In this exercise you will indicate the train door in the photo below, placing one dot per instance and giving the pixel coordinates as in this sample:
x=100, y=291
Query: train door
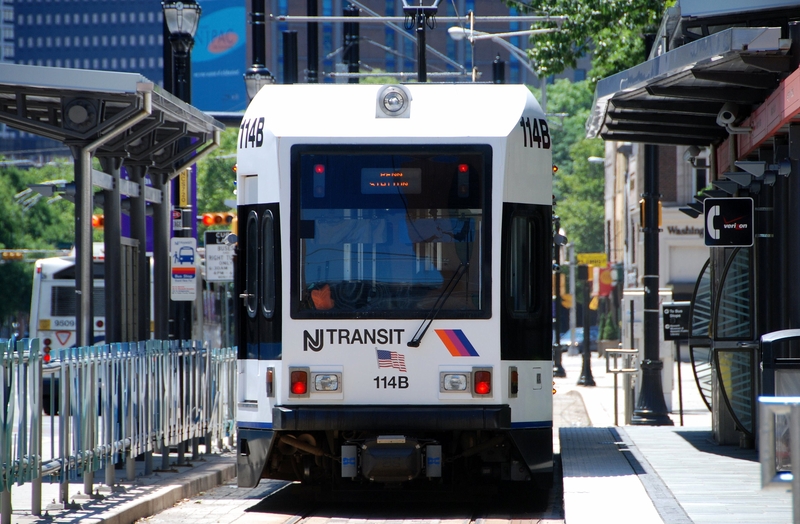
x=258, y=283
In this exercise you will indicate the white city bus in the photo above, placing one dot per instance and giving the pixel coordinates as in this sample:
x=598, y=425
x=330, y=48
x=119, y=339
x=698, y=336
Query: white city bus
x=53, y=302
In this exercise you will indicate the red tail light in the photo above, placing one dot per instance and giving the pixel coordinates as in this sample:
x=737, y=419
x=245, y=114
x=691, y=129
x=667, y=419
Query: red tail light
x=482, y=383
x=299, y=382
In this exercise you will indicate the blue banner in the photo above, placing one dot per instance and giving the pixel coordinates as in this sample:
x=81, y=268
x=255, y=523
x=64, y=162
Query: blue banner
x=219, y=56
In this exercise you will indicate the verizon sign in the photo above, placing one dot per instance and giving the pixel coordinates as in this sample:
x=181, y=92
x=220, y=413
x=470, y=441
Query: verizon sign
x=729, y=222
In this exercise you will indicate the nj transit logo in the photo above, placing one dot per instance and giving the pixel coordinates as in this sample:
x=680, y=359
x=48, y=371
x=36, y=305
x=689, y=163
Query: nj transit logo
x=457, y=342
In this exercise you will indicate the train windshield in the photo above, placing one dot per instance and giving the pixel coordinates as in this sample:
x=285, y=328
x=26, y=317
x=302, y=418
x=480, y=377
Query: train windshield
x=386, y=231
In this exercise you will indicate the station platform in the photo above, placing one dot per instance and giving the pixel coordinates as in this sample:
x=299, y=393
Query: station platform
x=653, y=474
x=627, y=474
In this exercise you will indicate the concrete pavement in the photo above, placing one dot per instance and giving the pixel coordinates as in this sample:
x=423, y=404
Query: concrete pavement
x=653, y=474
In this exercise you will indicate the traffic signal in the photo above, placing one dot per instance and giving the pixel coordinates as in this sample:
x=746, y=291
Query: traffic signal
x=218, y=219
x=13, y=256
x=642, y=210
x=98, y=221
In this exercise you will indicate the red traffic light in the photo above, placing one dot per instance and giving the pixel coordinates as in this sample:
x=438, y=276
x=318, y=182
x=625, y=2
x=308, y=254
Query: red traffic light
x=217, y=219
x=98, y=221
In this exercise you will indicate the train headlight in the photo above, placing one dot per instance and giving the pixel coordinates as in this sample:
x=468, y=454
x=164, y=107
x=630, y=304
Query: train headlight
x=393, y=101
x=481, y=382
x=326, y=382
x=454, y=381
x=298, y=382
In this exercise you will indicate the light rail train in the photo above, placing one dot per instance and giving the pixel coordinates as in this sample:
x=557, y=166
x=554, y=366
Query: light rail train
x=393, y=268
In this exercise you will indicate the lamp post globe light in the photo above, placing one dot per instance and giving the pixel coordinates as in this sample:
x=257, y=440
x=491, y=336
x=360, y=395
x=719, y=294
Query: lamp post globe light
x=182, y=19
x=257, y=75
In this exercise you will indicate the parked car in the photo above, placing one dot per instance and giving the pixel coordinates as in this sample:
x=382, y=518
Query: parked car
x=594, y=335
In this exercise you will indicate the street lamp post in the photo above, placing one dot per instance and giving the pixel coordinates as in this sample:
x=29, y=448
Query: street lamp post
x=257, y=76
x=181, y=19
x=461, y=33
x=651, y=409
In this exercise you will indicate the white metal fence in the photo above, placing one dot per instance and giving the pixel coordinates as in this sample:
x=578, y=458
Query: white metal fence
x=124, y=400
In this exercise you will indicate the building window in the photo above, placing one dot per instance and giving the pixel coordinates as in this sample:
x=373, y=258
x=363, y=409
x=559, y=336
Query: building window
x=700, y=174
x=580, y=75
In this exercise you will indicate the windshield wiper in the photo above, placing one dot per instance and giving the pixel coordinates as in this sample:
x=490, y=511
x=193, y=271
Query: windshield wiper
x=437, y=306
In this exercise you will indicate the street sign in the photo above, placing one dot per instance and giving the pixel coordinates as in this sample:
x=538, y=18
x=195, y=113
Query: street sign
x=183, y=270
x=729, y=221
x=676, y=320
x=593, y=259
x=219, y=257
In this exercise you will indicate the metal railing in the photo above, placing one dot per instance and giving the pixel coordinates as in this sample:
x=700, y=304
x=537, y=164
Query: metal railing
x=124, y=400
x=779, y=446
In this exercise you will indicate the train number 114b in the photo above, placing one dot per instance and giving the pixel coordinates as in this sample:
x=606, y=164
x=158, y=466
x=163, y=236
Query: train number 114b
x=391, y=382
x=535, y=131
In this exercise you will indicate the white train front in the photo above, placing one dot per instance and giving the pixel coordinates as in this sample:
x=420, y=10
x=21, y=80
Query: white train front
x=394, y=276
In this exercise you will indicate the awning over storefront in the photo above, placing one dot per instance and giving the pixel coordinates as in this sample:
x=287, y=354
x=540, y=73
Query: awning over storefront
x=677, y=97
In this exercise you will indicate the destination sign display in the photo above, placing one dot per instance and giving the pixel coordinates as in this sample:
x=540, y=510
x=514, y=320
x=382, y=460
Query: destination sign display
x=379, y=181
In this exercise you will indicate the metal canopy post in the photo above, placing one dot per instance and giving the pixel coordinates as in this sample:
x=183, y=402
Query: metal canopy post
x=112, y=234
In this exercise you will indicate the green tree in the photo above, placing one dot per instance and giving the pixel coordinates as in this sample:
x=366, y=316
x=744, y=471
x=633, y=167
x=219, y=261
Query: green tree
x=578, y=185
x=29, y=221
x=216, y=178
x=610, y=30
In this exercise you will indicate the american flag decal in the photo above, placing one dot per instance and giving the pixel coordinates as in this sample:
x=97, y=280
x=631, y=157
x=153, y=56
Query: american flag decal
x=391, y=359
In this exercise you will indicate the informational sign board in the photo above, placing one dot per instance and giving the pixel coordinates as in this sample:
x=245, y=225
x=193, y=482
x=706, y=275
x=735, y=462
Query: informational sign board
x=593, y=259
x=676, y=320
x=183, y=270
x=729, y=222
x=219, y=257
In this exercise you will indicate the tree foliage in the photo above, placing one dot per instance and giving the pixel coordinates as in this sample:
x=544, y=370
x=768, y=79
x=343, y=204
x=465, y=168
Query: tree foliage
x=578, y=185
x=216, y=178
x=28, y=221
x=610, y=30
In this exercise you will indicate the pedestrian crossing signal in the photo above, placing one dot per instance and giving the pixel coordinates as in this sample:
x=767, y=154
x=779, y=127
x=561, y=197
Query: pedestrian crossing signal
x=98, y=221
